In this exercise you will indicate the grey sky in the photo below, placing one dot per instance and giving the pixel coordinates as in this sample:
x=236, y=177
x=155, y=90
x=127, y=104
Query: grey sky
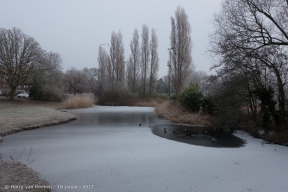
x=76, y=28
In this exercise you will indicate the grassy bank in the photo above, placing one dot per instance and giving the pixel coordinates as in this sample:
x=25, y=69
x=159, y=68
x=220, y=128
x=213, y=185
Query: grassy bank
x=19, y=115
x=14, y=173
x=29, y=117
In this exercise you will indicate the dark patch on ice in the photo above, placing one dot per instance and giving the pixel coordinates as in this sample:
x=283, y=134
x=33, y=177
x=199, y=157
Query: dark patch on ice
x=198, y=135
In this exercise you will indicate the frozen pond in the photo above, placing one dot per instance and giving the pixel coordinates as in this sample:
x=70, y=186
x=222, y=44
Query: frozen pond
x=107, y=150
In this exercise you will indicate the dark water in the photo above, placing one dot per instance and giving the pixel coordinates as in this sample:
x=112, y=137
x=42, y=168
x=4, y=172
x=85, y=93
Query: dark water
x=198, y=135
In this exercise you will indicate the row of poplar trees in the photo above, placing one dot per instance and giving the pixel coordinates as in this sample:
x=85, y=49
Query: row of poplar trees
x=138, y=73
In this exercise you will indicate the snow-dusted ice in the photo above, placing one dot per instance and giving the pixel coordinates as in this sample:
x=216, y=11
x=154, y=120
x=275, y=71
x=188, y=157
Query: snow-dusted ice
x=107, y=150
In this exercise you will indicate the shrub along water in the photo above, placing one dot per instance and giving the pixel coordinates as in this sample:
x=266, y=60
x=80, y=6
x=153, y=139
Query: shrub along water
x=193, y=100
x=82, y=100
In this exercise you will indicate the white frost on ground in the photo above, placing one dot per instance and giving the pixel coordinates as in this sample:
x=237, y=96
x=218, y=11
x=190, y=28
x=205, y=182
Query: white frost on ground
x=133, y=159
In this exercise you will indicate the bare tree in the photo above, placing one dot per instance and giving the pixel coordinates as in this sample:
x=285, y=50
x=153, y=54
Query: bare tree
x=110, y=74
x=49, y=72
x=20, y=55
x=254, y=30
x=46, y=80
x=117, y=60
x=258, y=23
x=145, y=59
x=90, y=80
x=154, y=62
x=198, y=77
x=103, y=63
x=134, y=61
x=181, y=45
x=162, y=85
x=75, y=81
x=130, y=74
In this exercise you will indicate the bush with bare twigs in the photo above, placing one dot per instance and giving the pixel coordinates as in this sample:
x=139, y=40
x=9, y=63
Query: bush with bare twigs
x=82, y=100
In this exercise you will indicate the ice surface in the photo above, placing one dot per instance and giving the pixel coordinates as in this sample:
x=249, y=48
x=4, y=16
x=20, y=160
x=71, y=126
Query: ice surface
x=107, y=148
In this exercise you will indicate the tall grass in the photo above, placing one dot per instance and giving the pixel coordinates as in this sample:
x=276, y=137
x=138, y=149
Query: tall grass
x=82, y=100
x=174, y=112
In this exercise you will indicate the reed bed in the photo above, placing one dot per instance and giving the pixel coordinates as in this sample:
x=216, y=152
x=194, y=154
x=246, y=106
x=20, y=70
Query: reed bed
x=82, y=100
x=174, y=112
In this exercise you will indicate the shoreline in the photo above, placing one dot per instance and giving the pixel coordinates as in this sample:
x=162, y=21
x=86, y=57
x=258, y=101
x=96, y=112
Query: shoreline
x=14, y=175
x=36, y=126
x=20, y=116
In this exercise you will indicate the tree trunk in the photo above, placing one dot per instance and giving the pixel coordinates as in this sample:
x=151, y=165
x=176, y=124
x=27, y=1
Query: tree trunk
x=12, y=94
x=281, y=100
x=134, y=79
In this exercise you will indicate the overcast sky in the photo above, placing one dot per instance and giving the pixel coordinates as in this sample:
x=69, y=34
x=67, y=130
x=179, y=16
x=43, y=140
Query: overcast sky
x=76, y=28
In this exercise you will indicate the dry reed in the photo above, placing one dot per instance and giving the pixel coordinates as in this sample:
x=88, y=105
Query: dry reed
x=82, y=100
x=174, y=112
x=148, y=102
